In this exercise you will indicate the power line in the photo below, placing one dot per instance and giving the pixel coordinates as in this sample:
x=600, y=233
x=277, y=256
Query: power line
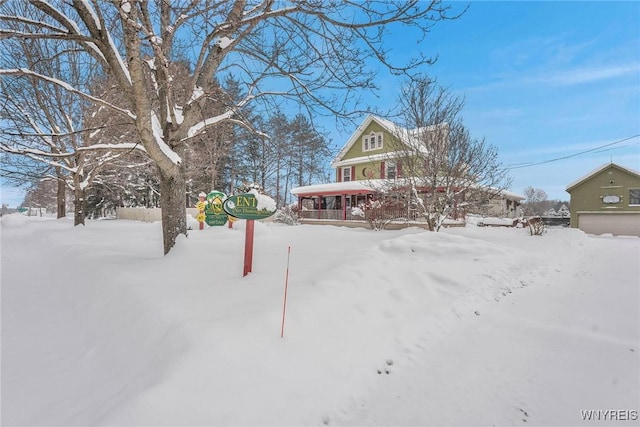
x=599, y=148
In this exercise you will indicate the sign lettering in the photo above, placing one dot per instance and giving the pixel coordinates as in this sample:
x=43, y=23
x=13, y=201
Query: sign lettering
x=245, y=206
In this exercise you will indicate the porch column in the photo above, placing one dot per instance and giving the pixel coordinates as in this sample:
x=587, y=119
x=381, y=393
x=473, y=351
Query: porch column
x=344, y=207
x=319, y=206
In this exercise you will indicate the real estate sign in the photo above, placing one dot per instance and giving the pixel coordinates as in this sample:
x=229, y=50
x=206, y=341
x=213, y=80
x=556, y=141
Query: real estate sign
x=214, y=213
x=246, y=206
x=249, y=206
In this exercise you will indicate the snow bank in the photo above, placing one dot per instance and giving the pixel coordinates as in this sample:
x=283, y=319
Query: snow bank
x=470, y=325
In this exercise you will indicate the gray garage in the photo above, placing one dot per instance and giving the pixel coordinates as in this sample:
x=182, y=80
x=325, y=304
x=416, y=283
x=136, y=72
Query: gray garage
x=619, y=224
x=607, y=200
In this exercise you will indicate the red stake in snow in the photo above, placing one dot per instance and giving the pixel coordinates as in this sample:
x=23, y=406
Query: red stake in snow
x=248, y=247
x=286, y=285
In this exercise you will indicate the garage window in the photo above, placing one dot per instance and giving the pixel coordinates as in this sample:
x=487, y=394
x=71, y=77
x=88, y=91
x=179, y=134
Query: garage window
x=634, y=196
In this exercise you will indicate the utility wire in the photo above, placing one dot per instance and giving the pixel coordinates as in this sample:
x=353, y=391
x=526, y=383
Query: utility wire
x=600, y=148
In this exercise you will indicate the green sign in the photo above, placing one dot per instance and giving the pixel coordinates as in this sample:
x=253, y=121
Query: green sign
x=214, y=214
x=246, y=206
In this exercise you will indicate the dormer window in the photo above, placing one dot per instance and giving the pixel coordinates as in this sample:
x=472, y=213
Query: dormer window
x=372, y=141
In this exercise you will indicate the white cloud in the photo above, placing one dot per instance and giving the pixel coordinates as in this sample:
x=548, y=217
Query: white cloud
x=584, y=75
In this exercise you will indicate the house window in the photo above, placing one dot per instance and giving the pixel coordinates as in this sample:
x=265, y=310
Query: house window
x=390, y=170
x=634, y=197
x=346, y=174
x=373, y=141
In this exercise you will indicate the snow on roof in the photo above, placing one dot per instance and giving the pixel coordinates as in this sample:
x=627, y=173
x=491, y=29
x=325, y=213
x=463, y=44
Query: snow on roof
x=350, y=186
x=511, y=196
x=368, y=186
x=597, y=171
x=408, y=136
x=372, y=157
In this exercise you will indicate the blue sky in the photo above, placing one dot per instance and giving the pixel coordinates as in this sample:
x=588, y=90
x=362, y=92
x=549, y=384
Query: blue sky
x=542, y=81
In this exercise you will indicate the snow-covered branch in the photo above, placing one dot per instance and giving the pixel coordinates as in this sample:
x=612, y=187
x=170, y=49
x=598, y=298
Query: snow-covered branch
x=162, y=145
x=67, y=87
x=126, y=146
x=40, y=156
x=200, y=126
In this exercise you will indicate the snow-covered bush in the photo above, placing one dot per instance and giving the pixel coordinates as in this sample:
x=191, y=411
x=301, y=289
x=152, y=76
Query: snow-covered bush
x=287, y=215
x=536, y=226
x=378, y=213
x=356, y=211
x=563, y=211
x=246, y=187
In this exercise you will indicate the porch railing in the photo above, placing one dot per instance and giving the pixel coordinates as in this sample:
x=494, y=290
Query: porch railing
x=337, y=215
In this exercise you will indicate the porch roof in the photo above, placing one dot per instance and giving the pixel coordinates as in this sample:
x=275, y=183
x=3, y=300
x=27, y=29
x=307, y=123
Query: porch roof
x=373, y=186
x=333, y=188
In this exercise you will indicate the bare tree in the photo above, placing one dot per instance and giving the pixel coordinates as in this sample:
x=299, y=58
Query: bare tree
x=47, y=123
x=313, y=53
x=444, y=169
x=536, y=201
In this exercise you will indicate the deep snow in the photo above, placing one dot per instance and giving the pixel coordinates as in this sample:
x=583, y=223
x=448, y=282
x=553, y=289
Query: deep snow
x=475, y=326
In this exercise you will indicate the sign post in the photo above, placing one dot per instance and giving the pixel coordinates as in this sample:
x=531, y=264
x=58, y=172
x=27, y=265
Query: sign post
x=248, y=247
x=201, y=206
x=249, y=206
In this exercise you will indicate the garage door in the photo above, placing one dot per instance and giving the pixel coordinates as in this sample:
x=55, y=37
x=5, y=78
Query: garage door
x=614, y=223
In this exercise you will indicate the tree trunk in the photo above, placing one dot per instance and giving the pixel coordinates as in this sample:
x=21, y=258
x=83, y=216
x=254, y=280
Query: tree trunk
x=79, y=206
x=172, y=202
x=212, y=178
x=60, y=199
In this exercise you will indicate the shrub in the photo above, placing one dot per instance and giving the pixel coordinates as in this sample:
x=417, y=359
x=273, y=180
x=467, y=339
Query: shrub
x=536, y=226
x=377, y=213
x=287, y=215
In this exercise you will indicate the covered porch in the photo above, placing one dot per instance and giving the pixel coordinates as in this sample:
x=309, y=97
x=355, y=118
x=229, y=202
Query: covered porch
x=334, y=201
x=331, y=201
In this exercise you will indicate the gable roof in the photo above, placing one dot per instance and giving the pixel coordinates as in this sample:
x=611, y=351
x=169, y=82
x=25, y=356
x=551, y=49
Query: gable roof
x=386, y=124
x=597, y=171
x=407, y=136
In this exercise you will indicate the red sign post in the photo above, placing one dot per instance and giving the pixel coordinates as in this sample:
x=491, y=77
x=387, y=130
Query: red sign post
x=248, y=206
x=248, y=247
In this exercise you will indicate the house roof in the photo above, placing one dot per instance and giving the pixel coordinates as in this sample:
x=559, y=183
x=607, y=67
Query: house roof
x=597, y=171
x=409, y=136
x=386, y=124
x=511, y=196
x=348, y=187
x=369, y=186
x=372, y=157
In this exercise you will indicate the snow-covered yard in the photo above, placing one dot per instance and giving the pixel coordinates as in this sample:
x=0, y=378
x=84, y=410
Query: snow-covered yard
x=469, y=326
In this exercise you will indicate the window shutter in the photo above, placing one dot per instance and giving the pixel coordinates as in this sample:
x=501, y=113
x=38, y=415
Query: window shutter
x=382, y=170
x=399, y=169
x=339, y=174
x=353, y=173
